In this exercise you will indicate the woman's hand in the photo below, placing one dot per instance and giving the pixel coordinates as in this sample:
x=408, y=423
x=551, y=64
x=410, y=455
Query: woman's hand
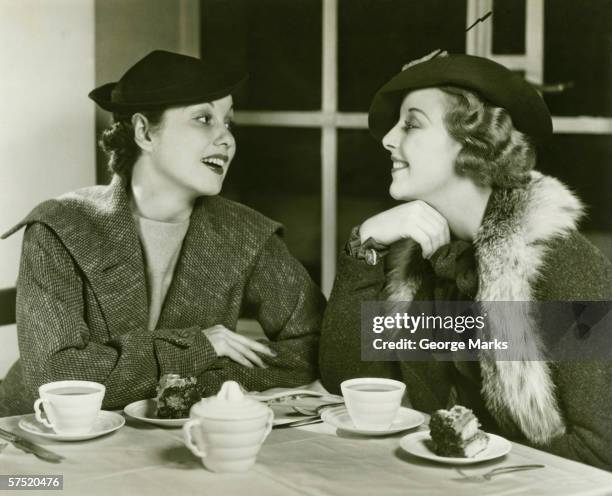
x=239, y=348
x=416, y=220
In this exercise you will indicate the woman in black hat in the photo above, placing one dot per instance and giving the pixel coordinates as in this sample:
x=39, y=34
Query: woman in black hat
x=121, y=284
x=477, y=223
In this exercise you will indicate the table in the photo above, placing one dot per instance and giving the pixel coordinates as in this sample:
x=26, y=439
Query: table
x=311, y=460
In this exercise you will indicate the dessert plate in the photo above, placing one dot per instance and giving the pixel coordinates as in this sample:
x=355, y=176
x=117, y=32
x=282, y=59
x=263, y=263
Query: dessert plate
x=405, y=419
x=106, y=423
x=145, y=410
x=417, y=444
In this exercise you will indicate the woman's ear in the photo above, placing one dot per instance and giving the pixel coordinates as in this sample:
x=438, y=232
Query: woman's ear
x=142, y=132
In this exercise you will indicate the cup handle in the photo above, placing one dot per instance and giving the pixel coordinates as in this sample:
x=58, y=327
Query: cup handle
x=189, y=438
x=38, y=412
x=269, y=424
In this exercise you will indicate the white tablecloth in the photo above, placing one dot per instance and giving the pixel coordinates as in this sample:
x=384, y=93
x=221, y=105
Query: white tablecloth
x=312, y=460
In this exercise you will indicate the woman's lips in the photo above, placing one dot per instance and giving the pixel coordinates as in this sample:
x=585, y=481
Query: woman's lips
x=215, y=163
x=399, y=165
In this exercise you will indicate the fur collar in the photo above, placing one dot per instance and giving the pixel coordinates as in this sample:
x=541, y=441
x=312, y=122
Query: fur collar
x=510, y=247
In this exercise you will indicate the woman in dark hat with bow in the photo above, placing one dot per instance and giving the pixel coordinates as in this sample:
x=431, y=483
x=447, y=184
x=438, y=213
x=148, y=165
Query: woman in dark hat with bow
x=123, y=283
x=477, y=223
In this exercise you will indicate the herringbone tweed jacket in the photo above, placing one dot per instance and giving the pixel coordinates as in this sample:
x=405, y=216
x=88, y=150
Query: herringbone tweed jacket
x=82, y=307
x=527, y=249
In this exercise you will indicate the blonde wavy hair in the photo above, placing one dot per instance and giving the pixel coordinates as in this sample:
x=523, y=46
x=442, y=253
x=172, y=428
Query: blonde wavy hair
x=493, y=153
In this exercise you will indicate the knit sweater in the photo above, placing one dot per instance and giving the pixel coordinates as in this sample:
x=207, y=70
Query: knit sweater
x=82, y=310
x=161, y=245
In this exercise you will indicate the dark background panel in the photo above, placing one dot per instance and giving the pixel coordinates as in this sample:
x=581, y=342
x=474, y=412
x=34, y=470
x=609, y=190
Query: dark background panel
x=578, y=48
x=277, y=171
x=277, y=41
x=376, y=37
x=508, y=27
x=584, y=163
x=364, y=177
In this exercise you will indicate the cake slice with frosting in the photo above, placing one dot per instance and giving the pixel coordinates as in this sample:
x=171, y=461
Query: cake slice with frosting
x=176, y=395
x=456, y=433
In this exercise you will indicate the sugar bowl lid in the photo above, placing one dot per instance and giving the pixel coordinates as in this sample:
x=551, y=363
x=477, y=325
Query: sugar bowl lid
x=230, y=403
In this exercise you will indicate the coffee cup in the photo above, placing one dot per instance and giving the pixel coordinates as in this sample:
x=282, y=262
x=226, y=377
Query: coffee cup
x=372, y=402
x=70, y=407
x=226, y=431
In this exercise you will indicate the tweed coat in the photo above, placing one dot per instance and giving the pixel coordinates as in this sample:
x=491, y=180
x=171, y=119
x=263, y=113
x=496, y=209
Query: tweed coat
x=82, y=308
x=527, y=249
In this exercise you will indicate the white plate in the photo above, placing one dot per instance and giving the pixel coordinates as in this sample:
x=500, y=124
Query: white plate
x=145, y=410
x=339, y=417
x=416, y=444
x=106, y=423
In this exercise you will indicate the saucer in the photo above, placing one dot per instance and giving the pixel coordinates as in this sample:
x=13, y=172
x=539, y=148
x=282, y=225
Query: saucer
x=405, y=419
x=416, y=444
x=145, y=410
x=105, y=423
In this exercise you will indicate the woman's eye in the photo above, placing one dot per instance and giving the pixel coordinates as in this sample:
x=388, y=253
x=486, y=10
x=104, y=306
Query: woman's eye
x=204, y=119
x=408, y=125
x=229, y=125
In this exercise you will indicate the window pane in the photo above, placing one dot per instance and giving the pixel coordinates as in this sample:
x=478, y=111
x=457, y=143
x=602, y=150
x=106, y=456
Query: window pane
x=578, y=48
x=364, y=176
x=583, y=163
x=508, y=27
x=376, y=37
x=277, y=171
x=278, y=41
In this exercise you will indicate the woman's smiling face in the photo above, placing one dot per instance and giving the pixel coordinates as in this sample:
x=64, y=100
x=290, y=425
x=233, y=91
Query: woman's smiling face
x=422, y=151
x=193, y=147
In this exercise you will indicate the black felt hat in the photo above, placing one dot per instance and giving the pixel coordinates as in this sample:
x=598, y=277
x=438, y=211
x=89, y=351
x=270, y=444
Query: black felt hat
x=163, y=79
x=492, y=81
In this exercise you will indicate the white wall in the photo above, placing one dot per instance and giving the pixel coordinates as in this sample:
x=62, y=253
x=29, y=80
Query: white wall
x=47, y=139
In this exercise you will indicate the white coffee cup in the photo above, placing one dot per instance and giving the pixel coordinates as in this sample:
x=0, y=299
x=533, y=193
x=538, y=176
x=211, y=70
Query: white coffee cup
x=70, y=407
x=372, y=402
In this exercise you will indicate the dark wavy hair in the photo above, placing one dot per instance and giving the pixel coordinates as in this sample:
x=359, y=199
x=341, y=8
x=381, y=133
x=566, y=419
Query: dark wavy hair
x=117, y=141
x=493, y=153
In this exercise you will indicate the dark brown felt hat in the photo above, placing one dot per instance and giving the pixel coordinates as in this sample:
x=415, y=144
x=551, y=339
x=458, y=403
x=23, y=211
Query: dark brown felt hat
x=492, y=81
x=164, y=79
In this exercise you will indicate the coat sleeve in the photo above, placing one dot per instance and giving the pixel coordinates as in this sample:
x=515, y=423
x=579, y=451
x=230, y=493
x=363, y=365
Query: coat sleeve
x=340, y=355
x=583, y=387
x=289, y=307
x=55, y=342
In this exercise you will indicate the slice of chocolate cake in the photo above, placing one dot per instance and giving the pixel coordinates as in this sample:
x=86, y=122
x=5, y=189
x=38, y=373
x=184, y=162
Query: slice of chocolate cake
x=455, y=433
x=176, y=395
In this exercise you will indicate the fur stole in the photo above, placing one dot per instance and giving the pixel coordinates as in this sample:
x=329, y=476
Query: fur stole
x=510, y=247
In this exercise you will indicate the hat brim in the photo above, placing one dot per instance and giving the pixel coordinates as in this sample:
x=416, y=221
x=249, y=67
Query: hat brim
x=103, y=97
x=492, y=81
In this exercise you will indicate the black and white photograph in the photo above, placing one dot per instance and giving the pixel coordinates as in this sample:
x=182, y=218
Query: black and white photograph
x=306, y=247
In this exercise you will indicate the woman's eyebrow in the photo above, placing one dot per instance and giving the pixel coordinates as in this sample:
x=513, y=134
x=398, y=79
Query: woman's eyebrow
x=413, y=109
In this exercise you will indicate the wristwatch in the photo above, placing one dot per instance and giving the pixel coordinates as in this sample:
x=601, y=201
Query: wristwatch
x=371, y=251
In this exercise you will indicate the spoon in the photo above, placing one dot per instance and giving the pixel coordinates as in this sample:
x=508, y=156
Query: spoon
x=317, y=411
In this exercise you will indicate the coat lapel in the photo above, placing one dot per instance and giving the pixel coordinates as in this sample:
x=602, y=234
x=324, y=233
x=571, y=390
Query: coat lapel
x=117, y=271
x=199, y=288
x=96, y=227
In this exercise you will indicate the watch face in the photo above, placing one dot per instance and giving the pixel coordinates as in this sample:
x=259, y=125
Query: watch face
x=371, y=257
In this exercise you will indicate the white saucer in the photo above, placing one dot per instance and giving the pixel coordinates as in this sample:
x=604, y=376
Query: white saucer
x=145, y=410
x=405, y=419
x=416, y=444
x=106, y=423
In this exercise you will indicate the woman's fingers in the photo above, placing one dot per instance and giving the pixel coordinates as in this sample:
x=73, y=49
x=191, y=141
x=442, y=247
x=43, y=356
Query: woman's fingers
x=236, y=347
x=247, y=353
x=238, y=357
x=251, y=343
